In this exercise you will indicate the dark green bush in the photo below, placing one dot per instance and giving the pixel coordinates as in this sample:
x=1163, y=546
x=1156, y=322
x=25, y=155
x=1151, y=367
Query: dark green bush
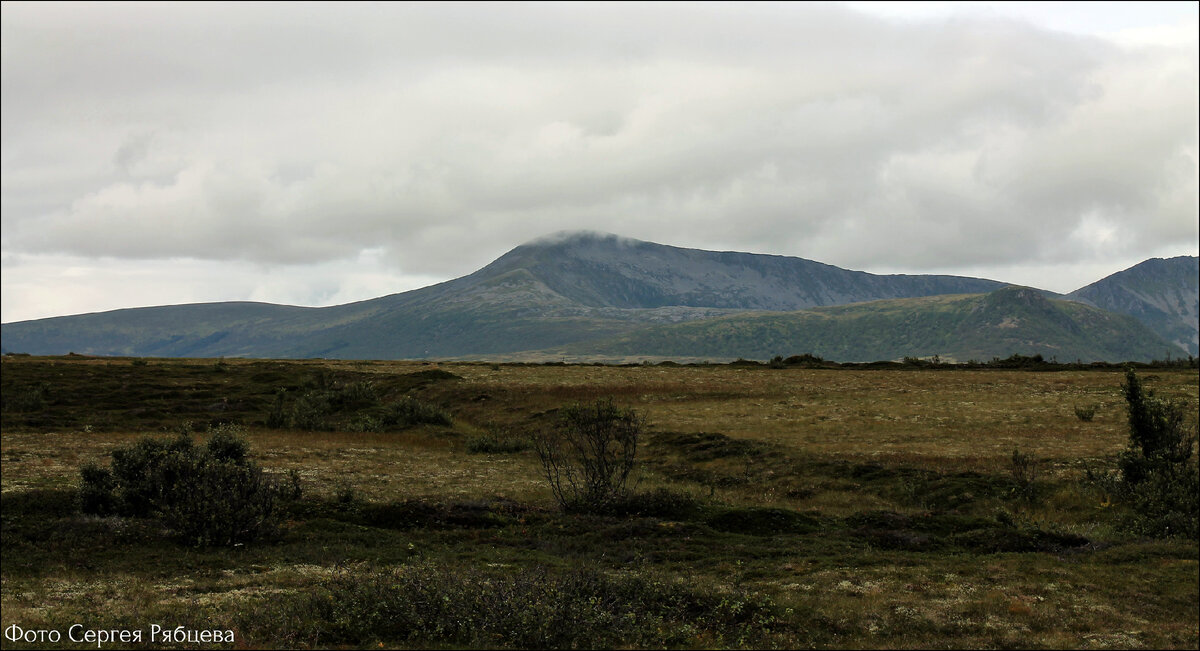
x=96, y=489
x=1159, y=440
x=224, y=444
x=1165, y=504
x=1158, y=472
x=222, y=503
x=211, y=495
x=1085, y=414
x=311, y=411
x=142, y=473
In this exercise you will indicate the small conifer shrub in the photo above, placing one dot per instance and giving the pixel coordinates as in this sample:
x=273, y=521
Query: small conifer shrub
x=1158, y=472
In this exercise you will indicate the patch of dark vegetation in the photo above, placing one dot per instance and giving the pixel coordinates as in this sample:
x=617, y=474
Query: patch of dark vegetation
x=807, y=360
x=657, y=503
x=932, y=532
x=1016, y=361
x=707, y=446
x=328, y=404
x=429, y=604
x=420, y=514
x=24, y=397
x=927, y=489
x=761, y=521
x=76, y=393
x=431, y=375
x=716, y=461
x=499, y=438
x=401, y=414
x=1024, y=471
x=494, y=443
x=41, y=502
x=997, y=540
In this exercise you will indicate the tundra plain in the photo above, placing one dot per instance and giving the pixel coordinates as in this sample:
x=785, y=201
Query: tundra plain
x=796, y=507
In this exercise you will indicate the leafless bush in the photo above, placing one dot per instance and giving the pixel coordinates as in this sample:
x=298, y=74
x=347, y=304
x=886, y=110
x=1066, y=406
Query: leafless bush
x=588, y=456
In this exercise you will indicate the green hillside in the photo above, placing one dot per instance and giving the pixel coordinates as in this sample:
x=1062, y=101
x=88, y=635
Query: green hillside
x=956, y=327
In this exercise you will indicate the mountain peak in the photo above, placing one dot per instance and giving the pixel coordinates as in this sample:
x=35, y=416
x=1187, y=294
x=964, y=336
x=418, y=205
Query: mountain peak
x=603, y=270
x=569, y=237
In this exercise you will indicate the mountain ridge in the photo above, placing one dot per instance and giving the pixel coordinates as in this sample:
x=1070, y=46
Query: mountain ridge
x=551, y=292
x=626, y=273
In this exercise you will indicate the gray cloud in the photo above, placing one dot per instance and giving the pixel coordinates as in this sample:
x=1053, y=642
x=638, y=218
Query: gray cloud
x=440, y=135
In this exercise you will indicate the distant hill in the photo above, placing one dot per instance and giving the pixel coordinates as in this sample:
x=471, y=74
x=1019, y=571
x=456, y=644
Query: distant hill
x=1163, y=294
x=955, y=327
x=566, y=289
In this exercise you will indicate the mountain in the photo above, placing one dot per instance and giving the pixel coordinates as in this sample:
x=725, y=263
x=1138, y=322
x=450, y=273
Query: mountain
x=1163, y=294
x=958, y=327
x=569, y=288
x=600, y=270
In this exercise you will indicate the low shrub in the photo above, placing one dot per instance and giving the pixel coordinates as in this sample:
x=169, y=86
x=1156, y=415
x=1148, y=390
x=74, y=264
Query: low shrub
x=23, y=398
x=1085, y=414
x=210, y=495
x=355, y=407
x=1158, y=476
x=408, y=412
x=430, y=605
x=1165, y=505
x=807, y=360
x=761, y=521
x=315, y=408
x=1024, y=470
x=657, y=503
x=588, y=456
x=496, y=444
x=498, y=440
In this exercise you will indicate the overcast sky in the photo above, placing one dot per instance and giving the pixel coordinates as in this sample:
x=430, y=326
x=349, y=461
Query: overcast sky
x=316, y=154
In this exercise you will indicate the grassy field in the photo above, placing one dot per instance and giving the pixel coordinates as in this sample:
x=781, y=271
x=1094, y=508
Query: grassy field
x=812, y=508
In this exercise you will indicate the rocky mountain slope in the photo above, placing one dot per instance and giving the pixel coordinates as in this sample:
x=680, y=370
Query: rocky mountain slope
x=1163, y=294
